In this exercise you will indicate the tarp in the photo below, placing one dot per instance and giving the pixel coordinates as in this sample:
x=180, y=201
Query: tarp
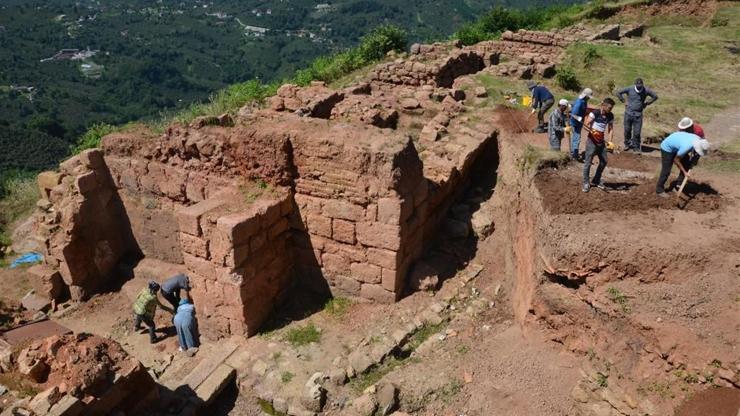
x=28, y=258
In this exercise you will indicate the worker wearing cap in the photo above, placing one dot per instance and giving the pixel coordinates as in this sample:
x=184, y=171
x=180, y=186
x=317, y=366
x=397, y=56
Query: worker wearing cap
x=600, y=126
x=635, y=102
x=682, y=149
x=145, y=307
x=577, y=114
x=542, y=101
x=556, y=124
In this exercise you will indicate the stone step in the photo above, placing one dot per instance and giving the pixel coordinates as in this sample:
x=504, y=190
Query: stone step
x=214, y=384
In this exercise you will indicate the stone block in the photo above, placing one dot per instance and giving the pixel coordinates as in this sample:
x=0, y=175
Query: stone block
x=239, y=227
x=215, y=383
x=343, y=210
x=389, y=211
x=47, y=181
x=319, y=225
x=389, y=279
x=67, y=406
x=194, y=245
x=335, y=264
x=51, y=280
x=384, y=258
x=343, y=231
x=188, y=218
x=92, y=158
x=200, y=266
x=86, y=183
x=42, y=402
x=377, y=293
x=36, y=303
x=379, y=235
x=366, y=273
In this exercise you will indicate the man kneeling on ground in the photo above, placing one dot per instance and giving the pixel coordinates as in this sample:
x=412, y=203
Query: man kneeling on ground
x=600, y=124
x=682, y=149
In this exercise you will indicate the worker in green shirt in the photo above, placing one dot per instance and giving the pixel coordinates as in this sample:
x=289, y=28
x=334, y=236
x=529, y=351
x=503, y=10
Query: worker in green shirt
x=145, y=307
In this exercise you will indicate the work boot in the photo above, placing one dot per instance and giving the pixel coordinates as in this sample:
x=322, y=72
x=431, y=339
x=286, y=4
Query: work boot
x=662, y=195
x=539, y=129
x=586, y=187
x=599, y=185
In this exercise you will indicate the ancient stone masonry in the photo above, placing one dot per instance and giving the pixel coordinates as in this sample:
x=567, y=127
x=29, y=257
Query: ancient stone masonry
x=334, y=190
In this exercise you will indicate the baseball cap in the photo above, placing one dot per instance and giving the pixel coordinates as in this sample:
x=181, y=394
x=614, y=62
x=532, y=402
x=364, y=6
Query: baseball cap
x=701, y=146
x=563, y=101
x=587, y=92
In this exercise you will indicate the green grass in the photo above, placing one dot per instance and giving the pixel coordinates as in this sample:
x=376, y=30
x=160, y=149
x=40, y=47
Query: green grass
x=534, y=158
x=18, y=193
x=337, y=307
x=602, y=380
x=286, y=377
x=423, y=334
x=363, y=381
x=616, y=296
x=268, y=409
x=304, y=335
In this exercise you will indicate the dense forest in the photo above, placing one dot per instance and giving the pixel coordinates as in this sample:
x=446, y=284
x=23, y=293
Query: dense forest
x=67, y=65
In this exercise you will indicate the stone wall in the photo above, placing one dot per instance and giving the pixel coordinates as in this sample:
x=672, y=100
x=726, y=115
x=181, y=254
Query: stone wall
x=430, y=70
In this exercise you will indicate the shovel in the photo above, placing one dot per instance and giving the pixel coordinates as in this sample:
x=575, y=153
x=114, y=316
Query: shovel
x=679, y=199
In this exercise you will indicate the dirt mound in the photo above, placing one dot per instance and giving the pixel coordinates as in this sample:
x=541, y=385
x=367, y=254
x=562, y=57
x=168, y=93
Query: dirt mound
x=562, y=194
x=724, y=401
x=515, y=121
x=631, y=161
x=81, y=365
x=690, y=8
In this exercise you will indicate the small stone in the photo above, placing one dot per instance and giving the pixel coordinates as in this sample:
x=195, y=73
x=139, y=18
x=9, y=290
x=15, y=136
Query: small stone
x=387, y=398
x=410, y=103
x=364, y=405
x=259, y=368
x=481, y=92
x=338, y=376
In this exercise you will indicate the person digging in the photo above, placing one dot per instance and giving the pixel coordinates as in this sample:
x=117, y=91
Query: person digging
x=173, y=287
x=635, y=99
x=145, y=307
x=577, y=114
x=542, y=101
x=682, y=149
x=556, y=126
x=599, y=124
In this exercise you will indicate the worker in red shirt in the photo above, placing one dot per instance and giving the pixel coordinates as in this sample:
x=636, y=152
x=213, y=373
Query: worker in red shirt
x=689, y=126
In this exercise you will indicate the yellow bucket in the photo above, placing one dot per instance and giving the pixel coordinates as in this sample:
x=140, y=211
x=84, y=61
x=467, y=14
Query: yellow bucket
x=526, y=101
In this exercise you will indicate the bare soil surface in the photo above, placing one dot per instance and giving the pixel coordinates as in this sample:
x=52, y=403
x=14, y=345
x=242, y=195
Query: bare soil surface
x=721, y=401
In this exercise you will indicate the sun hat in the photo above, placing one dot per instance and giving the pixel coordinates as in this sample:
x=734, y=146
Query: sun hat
x=685, y=123
x=531, y=84
x=587, y=92
x=563, y=101
x=701, y=146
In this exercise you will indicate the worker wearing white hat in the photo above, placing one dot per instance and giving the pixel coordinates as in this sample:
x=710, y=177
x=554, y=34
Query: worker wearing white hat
x=556, y=125
x=576, y=120
x=682, y=149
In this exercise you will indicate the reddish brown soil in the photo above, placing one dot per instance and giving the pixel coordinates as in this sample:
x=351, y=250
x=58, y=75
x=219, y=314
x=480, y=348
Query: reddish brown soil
x=690, y=8
x=515, y=121
x=632, y=161
x=561, y=194
x=724, y=401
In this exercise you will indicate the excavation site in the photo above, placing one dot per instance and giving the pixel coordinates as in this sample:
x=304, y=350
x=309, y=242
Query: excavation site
x=402, y=244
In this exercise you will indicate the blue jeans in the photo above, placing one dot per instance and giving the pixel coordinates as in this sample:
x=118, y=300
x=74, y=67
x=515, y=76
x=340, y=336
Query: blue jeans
x=575, y=141
x=632, y=130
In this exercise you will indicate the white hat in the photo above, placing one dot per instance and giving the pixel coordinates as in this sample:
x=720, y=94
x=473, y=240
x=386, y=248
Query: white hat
x=701, y=146
x=587, y=92
x=563, y=101
x=685, y=123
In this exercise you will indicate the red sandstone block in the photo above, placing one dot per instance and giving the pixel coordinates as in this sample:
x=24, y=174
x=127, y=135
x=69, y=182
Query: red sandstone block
x=278, y=228
x=174, y=184
x=257, y=241
x=371, y=213
x=384, y=258
x=389, y=210
x=377, y=293
x=319, y=225
x=336, y=264
x=366, y=273
x=154, y=178
x=92, y=158
x=194, y=245
x=200, y=266
x=195, y=186
x=343, y=231
x=379, y=235
x=389, y=279
x=345, y=286
x=353, y=253
x=189, y=218
x=309, y=204
x=241, y=254
x=239, y=227
x=318, y=242
x=343, y=210
x=86, y=182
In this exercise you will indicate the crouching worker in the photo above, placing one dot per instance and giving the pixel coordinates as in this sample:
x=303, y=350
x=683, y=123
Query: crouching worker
x=173, y=287
x=556, y=125
x=145, y=307
x=682, y=149
x=600, y=125
x=187, y=327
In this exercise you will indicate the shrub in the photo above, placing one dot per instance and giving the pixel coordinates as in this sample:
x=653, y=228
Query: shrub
x=376, y=44
x=590, y=56
x=303, y=335
x=18, y=193
x=92, y=136
x=567, y=80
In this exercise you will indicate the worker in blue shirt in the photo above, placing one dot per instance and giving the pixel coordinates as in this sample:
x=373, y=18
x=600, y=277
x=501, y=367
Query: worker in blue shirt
x=542, y=101
x=577, y=114
x=682, y=149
